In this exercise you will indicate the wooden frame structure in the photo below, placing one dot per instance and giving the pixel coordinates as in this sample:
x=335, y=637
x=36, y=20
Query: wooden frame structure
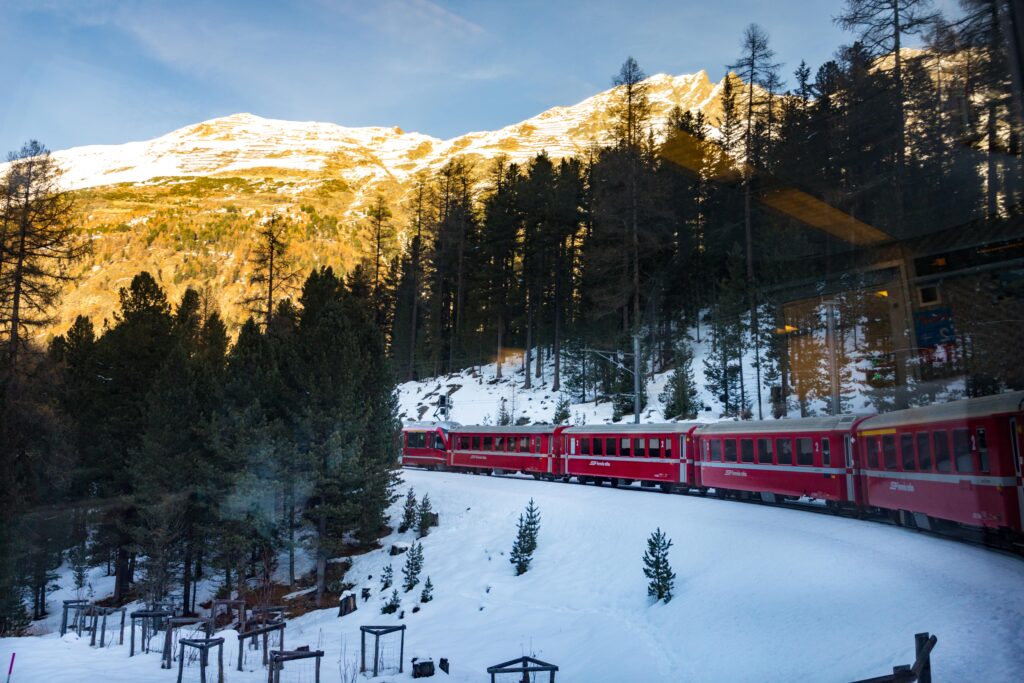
x=255, y=633
x=230, y=607
x=279, y=657
x=153, y=621
x=203, y=646
x=522, y=665
x=176, y=623
x=377, y=632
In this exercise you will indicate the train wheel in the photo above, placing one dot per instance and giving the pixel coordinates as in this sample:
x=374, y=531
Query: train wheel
x=615, y=482
x=702, y=491
x=666, y=488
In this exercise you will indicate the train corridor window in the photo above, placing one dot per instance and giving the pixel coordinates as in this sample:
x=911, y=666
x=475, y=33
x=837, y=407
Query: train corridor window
x=764, y=451
x=982, y=444
x=716, y=450
x=730, y=450
x=524, y=444
x=804, y=451
x=924, y=451
x=907, y=452
x=942, y=451
x=826, y=452
x=747, y=450
x=873, y=447
x=653, y=448
x=638, y=448
x=609, y=446
x=499, y=443
x=585, y=446
x=488, y=443
x=624, y=448
x=667, y=450
x=416, y=440
x=962, y=450
x=784, y=449
x=598, y=446
x=889, y=451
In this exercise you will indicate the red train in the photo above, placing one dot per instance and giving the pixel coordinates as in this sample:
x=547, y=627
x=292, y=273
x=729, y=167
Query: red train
x=950, y=466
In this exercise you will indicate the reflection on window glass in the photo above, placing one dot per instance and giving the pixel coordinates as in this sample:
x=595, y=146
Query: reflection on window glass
x=907, y=451
x=962, y=450
x=941, y=440
x=784, y=449
x=624, y=447
x=716, y=449
x=598, y=447
x=805, y=451
x=610, y=446
x=416, y=440
x=764, y=451
x=747, y=450
x=826, y=452
x=982, y=443
x=924, y=451
x=730, y=450
x=889, y=451
x=653, y=448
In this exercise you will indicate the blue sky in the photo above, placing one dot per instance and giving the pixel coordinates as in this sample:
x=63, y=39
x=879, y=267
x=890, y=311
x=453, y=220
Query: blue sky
x=97, y=71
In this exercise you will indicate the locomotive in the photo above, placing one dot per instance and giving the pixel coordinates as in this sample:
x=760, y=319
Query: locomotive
x=955, y=468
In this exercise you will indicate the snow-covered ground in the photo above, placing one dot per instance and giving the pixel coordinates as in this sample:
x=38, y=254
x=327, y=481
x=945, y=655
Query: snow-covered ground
x=762, y=593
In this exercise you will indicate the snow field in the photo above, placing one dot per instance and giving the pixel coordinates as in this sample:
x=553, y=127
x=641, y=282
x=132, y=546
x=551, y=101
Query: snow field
x=762, y=593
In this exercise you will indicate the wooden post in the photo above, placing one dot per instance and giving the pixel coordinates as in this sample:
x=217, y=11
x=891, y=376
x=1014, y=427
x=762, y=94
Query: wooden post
x=95, y=623
x=401, y=651
x=124, y=613
x=920, y=641
x=131, y=650
x=362, y=652
x=376, y=652
x=241, y=649
x=103, y=631
x=181, y=660
x=266, y=638
x=167, y=660
x=220, y=663
x=317, y=679
x=202, y=664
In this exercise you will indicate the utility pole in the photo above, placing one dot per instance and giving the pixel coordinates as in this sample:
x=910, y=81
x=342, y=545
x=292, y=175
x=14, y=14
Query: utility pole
x=636, y=378
x=833, y=362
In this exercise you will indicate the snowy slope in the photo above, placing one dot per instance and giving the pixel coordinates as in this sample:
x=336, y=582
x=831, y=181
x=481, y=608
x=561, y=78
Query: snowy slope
x=762, y=593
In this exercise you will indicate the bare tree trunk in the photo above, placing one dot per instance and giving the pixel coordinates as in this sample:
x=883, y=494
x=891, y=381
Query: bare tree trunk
x=529, y=342
x=497, y=362
x=321, y=561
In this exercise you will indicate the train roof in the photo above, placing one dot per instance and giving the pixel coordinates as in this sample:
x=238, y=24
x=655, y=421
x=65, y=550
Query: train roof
x=430, y=424
x=632, y=428
x=828, y=423
x=983, y=406
x=504, y=429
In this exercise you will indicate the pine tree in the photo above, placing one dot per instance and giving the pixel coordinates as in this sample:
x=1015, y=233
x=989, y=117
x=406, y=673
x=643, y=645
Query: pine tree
x=387, y=577
x=504, y=417
x=393, y=603
x=656, y=567
x=413, y=566
x=680, y=394
x=532, y=526
x=521, y=555
x=562, y=415
x=424, y=516
x=428, y=591
x=408, y=512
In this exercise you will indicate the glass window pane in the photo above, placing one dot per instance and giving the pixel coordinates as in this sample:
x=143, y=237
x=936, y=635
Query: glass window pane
x=924, y=451
x=499, y=443
x=747, y=450
x=982, y=449
x=804, y=451
x=598, y=446
x=416, y=440
x=826, y=452
x=730, y=450
x=907, y=452
x=488, y=443
x=784, y=448
x=524, y=444
x=638, y=448
x=716, y=450
x=942, y=463
x=610, y=446
x=962, y=450
x=889, y=451
x=764, y=451
x=624, y=447
x=873, y=447
x=667, y=451
x=585, y=445
x=653, y=448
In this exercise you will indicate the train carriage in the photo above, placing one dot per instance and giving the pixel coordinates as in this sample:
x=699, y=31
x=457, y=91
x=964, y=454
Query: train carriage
x=653, y=454
x=959, y=461
x=780, y=459
x=530, y=449
x=425, y=444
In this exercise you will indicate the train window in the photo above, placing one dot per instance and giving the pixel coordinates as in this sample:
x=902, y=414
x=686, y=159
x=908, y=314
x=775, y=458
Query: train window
x=826, y=452
x=488, y=443
x=889, y=451
x=764, y=451
x=747, y=450
x=941, y=451
x=598, y=447
x=524, y=444
x=962, y=450
x=907, y=452
x=624, y=447
x=924, y=451
x=716, y=449
x=499, y=443
x=464, y=443
x=730, y=450
x=438, y=441
x=416, y=440
x=872, y=446
x=667, y=451
x=784, y=448
x=585, y=446
x=477, y=443
x=653, y=448
x=638, y=448
x=609, y=446
x=982, y=449
x=804, y=451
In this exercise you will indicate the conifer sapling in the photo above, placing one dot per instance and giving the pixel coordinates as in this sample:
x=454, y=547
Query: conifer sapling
x=656, y=567
x=387, y=578
x=393, y=603
x=425, y=515
x=413, y=566
x=428, y=591
x=408, y=512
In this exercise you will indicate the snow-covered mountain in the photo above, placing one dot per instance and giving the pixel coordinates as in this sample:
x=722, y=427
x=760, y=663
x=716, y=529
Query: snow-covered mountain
x=243, y=142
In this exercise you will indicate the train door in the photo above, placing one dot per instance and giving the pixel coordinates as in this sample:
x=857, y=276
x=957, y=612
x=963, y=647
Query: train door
x=1017, y=451
x=851, y=479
